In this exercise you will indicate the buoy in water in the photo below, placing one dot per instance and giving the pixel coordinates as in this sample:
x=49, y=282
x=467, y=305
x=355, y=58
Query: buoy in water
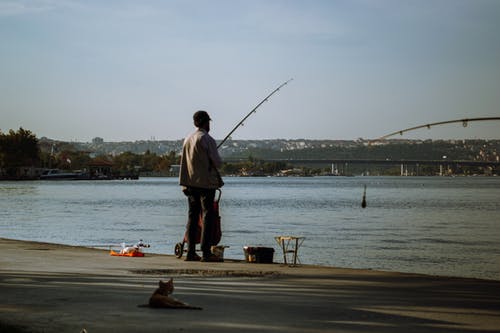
x=363, y=202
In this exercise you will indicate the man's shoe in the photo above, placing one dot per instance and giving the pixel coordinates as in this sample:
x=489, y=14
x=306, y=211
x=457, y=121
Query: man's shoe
x=192, y=257
x=211, y=258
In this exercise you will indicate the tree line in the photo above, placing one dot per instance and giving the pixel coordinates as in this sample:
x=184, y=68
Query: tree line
x=17, y=149
x=21, y=149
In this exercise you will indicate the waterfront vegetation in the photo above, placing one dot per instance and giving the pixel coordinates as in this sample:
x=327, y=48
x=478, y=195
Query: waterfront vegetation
x=17, y=150
x=24, y=156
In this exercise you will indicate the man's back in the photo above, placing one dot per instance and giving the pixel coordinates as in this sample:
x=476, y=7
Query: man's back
x=199, y=161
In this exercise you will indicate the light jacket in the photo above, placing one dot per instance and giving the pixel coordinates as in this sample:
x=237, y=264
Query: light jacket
x=199, y=162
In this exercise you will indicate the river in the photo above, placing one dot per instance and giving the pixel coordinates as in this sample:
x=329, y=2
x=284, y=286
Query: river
x=431, y=225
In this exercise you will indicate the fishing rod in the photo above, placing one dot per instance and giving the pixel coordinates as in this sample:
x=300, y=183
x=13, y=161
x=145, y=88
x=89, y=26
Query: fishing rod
x=254, y=110
x=464, y=122
x=123, y=244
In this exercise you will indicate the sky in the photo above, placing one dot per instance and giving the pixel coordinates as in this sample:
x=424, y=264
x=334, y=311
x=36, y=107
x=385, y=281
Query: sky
x=137, y=70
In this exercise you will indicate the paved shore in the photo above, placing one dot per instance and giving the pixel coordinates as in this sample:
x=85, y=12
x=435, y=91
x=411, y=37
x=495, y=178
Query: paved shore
x=57, y=288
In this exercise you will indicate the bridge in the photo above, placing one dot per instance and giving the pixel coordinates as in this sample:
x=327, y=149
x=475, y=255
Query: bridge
x=341, y=166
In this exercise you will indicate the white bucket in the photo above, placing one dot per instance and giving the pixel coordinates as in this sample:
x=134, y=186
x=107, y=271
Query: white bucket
x=218, y=251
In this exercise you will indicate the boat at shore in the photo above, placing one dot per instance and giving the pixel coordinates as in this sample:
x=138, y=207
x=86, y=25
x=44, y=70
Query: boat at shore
x=57, y=174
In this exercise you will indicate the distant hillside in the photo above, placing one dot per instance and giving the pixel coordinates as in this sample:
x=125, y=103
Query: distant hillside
x=480, y=150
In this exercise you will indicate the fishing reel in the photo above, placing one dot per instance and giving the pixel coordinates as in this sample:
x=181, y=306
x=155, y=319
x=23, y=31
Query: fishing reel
x=142, y=244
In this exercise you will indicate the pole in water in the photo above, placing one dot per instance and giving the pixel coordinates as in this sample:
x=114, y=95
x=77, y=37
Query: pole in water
x=363, y=202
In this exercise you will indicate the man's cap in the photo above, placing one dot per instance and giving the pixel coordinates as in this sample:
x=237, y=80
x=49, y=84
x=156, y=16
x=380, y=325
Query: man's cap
x=201, y=117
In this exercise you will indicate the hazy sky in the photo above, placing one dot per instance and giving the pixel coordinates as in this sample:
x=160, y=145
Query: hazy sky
x=133, y=70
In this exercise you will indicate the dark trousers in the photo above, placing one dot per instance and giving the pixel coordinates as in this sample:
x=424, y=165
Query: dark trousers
x=201, y=201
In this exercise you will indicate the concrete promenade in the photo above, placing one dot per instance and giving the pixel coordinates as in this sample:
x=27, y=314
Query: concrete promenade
x=57, y=288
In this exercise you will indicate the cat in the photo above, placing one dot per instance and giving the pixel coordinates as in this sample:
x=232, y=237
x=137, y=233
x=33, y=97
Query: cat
x=161, y=298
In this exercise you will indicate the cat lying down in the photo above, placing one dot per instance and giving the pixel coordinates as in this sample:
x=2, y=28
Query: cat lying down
x=161, y=298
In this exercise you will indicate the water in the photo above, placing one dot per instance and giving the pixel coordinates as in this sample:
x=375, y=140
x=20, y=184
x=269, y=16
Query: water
x=438, y=225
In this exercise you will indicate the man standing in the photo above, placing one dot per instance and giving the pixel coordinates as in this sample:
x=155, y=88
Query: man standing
x=199, y=179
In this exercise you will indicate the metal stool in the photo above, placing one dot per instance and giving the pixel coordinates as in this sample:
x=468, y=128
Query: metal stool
x=290, y=244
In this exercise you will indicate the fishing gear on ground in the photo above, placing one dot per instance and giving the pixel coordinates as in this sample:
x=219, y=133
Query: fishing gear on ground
x=131, y=250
